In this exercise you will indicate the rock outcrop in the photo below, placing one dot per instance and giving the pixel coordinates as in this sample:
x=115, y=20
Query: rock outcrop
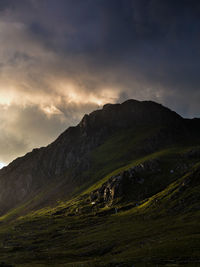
x=117, y=185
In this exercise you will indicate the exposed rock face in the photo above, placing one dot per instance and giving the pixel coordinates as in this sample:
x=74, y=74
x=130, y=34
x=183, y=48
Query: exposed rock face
x=117, y=185
x=70, y=154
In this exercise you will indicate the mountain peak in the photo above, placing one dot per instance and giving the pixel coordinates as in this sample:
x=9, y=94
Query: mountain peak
x=128, y=113
x=69, y=158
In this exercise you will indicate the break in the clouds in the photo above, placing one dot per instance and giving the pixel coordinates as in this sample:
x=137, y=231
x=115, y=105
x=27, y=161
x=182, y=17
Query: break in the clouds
x=61, y=59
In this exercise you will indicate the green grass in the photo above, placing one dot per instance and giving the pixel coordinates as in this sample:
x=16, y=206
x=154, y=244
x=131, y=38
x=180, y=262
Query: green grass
x=164, y=229
x=119, y=150
x=169, y=158
x=148, y=235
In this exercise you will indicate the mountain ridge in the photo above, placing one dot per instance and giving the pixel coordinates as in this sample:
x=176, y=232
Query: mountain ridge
x=70, y=154
x=83, y=122
x=119, y=189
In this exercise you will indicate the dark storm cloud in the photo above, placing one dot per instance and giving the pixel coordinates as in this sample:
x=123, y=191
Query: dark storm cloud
x=61, y=59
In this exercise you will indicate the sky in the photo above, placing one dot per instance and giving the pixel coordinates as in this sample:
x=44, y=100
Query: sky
x=62, y=59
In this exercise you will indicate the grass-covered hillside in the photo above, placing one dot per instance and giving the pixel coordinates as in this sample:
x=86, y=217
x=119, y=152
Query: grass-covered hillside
x=159, y=228
x=120, y=189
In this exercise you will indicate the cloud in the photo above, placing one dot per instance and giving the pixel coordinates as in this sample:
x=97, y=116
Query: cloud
x=24, y=128
x=59, y=60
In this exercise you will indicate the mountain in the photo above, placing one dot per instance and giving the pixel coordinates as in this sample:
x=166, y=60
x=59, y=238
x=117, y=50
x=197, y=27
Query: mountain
x=120, y=188
x=58, y=165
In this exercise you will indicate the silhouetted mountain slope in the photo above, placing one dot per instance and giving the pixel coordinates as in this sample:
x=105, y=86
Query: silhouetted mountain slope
x=72, y=159
x=119, y=189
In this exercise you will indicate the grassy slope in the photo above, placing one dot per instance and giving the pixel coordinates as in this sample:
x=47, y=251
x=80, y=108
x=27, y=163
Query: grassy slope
x=125, y=148
x=119, y=150
x=76, y=234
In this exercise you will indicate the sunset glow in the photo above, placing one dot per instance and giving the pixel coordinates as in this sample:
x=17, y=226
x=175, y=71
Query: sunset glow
x=58, y=62
x=2, y=165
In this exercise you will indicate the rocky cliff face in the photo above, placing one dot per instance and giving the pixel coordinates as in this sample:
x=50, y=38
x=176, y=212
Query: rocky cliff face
x=116, y=186
x=70, y=154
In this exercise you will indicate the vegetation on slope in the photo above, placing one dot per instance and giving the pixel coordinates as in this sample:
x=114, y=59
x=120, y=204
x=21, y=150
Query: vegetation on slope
x=113, y=191
x=162, y=229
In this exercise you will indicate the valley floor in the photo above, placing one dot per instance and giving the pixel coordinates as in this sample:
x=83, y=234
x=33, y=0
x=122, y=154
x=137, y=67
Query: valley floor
x=161, y=230
x=129, y=238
